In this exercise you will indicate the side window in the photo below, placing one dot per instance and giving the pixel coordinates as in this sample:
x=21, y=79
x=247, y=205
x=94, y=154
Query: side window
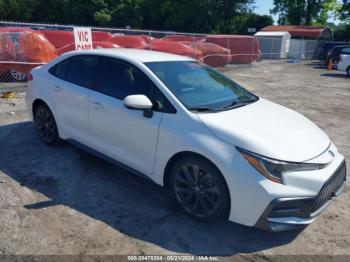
x=81, y=70
x=119, y=79
x=60, y=69
x=161, y=103
x=346, y=50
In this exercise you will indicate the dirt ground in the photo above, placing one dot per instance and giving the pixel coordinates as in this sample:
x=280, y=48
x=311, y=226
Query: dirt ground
x=61, y=200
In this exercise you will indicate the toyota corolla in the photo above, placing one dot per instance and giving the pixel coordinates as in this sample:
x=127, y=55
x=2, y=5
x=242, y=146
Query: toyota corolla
x=221, y=151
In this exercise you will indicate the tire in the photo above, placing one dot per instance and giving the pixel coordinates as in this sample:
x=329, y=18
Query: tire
x=348, y=71
x=46, y=125
x=199, y=189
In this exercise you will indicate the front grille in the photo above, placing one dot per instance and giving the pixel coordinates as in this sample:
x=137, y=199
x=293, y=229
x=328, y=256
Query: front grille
x=330, y=188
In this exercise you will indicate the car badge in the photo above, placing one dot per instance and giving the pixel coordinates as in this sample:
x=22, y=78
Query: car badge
x=331, y=153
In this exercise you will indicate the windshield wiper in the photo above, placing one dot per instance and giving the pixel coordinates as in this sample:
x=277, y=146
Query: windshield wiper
x=200, y=109
x=240, y=103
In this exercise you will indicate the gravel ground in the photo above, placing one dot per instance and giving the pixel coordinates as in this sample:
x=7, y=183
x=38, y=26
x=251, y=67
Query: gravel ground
x=61, y=200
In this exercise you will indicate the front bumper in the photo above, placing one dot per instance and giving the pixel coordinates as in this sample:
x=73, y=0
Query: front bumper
x=293, y=213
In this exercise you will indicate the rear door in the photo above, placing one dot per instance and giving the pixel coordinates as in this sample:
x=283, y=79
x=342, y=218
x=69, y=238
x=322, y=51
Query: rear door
x=120, y=133
x=71, y=93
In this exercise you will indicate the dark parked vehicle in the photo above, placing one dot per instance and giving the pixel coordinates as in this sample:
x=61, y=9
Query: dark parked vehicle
x=334, y=53
x=323, y=51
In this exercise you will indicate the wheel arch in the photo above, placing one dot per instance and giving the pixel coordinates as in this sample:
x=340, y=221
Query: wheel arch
x=36, y=103
x=181, y=155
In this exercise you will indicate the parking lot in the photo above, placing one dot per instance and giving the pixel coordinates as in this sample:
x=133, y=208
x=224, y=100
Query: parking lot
x=61, y=200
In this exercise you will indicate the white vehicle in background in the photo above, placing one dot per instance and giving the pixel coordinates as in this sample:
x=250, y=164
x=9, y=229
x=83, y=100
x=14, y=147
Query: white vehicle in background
x=344, y=64
x=221, y=151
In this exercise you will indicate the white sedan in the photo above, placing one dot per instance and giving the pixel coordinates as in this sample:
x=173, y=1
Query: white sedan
x=344, y=64
x=221, y=151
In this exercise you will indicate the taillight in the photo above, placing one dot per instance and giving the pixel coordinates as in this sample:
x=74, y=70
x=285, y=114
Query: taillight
x=29, y=77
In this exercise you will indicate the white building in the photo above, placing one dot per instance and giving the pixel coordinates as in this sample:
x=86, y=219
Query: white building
x=274, y=45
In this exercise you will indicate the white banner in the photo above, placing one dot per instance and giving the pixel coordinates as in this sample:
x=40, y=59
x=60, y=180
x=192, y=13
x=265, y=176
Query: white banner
x=82, y=38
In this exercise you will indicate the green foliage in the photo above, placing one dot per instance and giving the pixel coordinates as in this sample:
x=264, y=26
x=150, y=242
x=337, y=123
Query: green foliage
x=304, y=12
x=251, y=20
x=341, y=32
x=202, y=16
x=345, y=11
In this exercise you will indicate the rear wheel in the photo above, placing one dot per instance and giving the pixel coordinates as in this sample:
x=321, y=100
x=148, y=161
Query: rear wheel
x=348, y=71
x=200, y=189
x=46, y=125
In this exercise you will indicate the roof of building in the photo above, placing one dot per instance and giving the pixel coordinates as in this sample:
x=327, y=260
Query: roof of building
x=272, y=33
x=297, y=30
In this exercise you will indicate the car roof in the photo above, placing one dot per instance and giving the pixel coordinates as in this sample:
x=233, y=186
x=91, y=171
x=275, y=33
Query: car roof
x=335, y=43
x=134, y=54
x=340, y=47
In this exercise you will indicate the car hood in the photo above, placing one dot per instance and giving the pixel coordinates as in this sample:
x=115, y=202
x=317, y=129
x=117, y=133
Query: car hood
x=268, y=129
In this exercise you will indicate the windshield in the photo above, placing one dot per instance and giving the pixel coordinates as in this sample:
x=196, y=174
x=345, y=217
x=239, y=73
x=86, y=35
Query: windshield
x=201, y=87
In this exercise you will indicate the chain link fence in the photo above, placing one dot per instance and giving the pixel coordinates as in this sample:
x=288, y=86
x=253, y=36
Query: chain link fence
x=24, y=46
x=273, y=48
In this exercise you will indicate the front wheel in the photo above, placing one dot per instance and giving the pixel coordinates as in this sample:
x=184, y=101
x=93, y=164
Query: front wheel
x=348, y=71
x=46, y=125
x=200, y=189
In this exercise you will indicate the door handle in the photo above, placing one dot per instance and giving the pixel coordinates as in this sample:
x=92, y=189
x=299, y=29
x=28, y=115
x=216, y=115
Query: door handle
x=57, y=88
x=98, y=105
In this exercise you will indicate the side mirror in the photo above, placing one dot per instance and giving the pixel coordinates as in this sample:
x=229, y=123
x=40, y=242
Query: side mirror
x=139, y=102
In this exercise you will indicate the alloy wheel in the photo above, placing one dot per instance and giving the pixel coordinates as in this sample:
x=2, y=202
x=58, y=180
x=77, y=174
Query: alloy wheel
x=196, y=190
x=45, y=125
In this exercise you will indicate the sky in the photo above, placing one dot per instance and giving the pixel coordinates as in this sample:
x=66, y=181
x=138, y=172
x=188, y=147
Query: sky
x=263, y=7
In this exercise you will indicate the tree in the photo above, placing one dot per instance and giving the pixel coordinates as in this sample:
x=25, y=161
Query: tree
x=345, y=11
x=341, y=32
x=50, y=11
x=202, y=16
x=16, y=10
x=303, y=12
x=226, y=11
x=187, y=16
x=251, y=20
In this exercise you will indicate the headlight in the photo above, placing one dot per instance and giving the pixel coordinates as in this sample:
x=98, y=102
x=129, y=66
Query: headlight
x=273, y=169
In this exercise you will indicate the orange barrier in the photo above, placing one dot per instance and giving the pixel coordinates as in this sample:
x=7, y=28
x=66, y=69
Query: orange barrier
x=213, y=54
x=147, y=38
x=34, y=47
x=44, y=45
x=7, y=47
x=26, y=47
x=244, y=49
x=58, y=38
x=22, y=51
x=15, y=29
x=174, y=48
x=129, y=41
x=101, y=36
